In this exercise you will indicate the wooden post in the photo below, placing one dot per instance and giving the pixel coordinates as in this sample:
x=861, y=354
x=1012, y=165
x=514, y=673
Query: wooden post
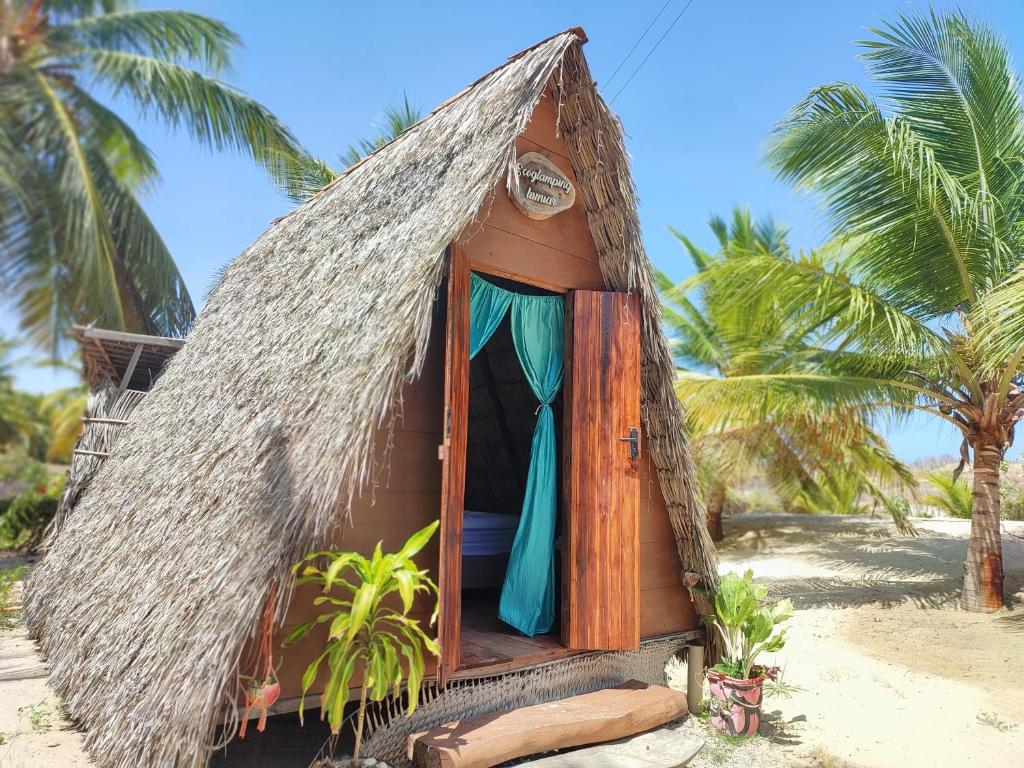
x=131, y=367
x=694, y=677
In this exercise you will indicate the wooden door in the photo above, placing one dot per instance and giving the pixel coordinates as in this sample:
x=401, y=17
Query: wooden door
x=600, y=567
x=453, y=472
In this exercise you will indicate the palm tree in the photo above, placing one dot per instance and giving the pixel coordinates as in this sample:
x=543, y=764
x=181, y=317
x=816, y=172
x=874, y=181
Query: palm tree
x=757, y=388
x=75, y=244
x=305, y=174
x=20, y=421
x=950, y=494
x=927, y=190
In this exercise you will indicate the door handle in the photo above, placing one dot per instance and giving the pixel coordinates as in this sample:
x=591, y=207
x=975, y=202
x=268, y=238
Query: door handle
x=634, y=442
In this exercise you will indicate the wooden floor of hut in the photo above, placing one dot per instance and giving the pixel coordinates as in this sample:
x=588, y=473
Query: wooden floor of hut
x=488, y=641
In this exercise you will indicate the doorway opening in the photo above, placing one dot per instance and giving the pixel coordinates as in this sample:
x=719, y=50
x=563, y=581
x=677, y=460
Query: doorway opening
x=501, y=420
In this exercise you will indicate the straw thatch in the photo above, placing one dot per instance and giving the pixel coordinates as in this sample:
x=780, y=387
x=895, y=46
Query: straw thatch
x=106, y=408
x=262, y=427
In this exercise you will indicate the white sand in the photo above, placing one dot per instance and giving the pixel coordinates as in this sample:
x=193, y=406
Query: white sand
x=891, y=672
x=34, y=733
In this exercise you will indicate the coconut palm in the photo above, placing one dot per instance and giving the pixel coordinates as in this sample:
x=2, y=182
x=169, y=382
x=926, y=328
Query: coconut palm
x=926, y=300
x=306, y=174
x=950, y=494
x=75, y=244
x=756, y=383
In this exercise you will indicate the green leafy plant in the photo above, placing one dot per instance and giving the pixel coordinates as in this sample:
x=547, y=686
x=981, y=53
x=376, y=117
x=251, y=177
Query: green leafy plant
x=38, y=714
x=950, y=494
x=1011, y=505
x=747, y=623
x=8, y=613
x=24, y=521
x=366, y=632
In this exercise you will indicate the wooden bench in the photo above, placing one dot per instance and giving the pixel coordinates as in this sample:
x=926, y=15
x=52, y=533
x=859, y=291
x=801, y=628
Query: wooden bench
x=491, y=739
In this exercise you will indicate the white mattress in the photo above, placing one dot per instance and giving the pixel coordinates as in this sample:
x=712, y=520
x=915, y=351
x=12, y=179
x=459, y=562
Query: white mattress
x=487, y=533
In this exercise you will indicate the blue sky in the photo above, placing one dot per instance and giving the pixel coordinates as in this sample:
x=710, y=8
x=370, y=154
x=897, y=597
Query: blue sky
x=696, y=114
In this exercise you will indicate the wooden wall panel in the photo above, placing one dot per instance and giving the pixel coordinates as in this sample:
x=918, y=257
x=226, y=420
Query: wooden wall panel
x=666, y=610
x=567, y=232
x=513, y=256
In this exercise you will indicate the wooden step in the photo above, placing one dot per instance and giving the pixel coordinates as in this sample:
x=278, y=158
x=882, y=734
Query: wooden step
x=491, y=739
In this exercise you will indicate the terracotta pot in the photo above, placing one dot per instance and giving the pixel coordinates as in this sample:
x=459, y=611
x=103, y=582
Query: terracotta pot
x=735, y=704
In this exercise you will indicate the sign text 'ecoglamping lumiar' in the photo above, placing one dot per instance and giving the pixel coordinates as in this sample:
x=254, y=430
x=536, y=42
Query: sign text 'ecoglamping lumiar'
x=539, y=188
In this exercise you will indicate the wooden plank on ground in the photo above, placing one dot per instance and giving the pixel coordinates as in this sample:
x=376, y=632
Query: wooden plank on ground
x=492, y=739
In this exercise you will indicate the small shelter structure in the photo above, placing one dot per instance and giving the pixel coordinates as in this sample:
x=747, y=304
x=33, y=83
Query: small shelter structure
x=119, y=369
x=463, y=326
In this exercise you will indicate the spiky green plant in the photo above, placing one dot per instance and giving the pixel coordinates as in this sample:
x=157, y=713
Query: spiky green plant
x=75, y=243
x=926, y=189
x=366, y=634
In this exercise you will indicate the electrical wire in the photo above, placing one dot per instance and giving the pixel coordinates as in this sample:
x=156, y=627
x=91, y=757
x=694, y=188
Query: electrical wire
x=649, y=53
x=637, y=43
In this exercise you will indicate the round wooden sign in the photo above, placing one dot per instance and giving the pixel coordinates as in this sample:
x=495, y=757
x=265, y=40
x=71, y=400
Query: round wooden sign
x=539, y=188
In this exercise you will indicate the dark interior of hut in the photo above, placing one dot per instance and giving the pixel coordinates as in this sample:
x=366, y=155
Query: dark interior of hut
x=502, y=416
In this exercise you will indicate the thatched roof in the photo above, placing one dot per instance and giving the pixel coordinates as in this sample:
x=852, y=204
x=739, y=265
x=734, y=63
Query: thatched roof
x=262, y=426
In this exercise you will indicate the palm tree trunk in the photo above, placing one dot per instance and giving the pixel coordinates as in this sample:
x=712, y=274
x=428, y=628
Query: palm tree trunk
x=983, y=570
x=716, y=502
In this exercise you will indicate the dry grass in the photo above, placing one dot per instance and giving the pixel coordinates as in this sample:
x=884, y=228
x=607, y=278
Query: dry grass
x=261, y=430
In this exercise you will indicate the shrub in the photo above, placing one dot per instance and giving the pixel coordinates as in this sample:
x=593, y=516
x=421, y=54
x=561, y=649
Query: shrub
x=18, y=470
x=954, y=497
x=9, y=577
x=365, y=631
x=24, y=522
x=1011, y=502
x=747, y=623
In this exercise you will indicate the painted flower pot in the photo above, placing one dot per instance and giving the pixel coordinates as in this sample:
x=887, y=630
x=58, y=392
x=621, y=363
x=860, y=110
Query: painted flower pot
x=735, y=704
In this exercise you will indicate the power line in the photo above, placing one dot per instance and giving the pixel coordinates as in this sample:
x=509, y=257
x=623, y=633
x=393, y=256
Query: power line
x=637, y=43
x=663, y=36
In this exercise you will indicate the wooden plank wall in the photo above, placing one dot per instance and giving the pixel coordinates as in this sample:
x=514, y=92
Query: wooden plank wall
x=557, y=254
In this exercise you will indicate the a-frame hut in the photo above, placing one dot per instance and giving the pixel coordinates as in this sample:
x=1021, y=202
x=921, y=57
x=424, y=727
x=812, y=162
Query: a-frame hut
x=327, y=394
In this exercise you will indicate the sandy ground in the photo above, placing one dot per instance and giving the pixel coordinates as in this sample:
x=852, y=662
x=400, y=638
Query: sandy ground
x=33, y=732
x=888, y=671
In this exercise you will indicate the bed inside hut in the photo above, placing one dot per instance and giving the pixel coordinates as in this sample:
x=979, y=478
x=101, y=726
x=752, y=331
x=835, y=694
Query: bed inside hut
x=502, y=411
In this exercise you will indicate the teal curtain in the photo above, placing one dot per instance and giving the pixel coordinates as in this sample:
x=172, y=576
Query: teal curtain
x=528, y=594
x=487, y=306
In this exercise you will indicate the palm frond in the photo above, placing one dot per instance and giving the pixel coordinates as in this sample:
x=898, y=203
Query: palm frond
x=881, y=181
x=719, y=403
x=173, y=36
x=303, y=174
x=213, y=113
x=951, y=80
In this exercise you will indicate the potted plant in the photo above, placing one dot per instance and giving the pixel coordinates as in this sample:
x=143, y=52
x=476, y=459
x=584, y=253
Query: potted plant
x=748, y=625
x=366, y=634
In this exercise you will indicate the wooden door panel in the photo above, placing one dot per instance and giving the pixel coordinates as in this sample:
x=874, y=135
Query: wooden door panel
x=453, y=472
x=601, y=585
